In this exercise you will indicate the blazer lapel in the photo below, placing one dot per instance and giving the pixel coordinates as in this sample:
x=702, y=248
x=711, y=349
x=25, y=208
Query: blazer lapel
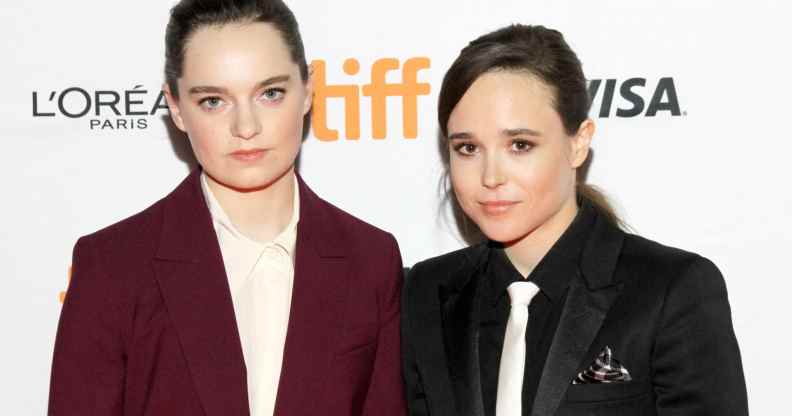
x=318, y=298
x=590, y=296
x=459, y=300
x=191, y=276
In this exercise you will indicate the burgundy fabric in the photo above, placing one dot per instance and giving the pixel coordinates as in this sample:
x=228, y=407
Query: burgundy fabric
x=148, y=326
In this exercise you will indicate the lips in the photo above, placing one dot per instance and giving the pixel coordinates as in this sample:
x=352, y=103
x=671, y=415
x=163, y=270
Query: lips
x=497, y=207
x=247, y=155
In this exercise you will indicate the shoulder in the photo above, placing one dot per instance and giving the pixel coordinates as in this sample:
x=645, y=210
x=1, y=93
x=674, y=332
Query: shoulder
x=679, y=299
x=141, y=232
x=109, y=266
x=121, y=253
x=428, y=274
x=358, y=233
x=130, y=234
x=668, y=267
x=372, y=255
x=444, y=263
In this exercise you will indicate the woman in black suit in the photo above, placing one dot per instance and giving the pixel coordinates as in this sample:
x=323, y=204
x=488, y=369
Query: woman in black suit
x=559, y=311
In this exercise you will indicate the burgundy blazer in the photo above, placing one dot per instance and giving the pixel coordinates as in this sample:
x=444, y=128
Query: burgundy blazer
x=148, y=327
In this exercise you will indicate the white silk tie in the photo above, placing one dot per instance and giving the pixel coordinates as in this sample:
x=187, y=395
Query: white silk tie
x=512, y=362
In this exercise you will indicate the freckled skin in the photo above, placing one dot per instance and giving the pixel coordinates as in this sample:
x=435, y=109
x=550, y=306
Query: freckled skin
x=536, y=173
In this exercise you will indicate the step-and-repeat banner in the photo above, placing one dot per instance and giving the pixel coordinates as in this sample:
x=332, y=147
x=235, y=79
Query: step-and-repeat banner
x=691, y=100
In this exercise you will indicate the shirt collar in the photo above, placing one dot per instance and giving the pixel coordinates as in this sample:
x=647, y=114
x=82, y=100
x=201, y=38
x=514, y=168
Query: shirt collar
x=287, y=239
x=556, y=268
x=501, y=272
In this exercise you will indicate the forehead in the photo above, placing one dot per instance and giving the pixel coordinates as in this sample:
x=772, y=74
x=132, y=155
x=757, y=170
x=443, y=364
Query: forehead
x=505, y=99
x=236, y=52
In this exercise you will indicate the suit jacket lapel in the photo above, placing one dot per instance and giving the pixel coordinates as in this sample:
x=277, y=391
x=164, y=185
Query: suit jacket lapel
x=459, y=300
x=318, y=298
x=190, y=272
x=590, y=296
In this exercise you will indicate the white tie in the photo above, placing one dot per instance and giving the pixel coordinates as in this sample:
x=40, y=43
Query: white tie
x=512, y=363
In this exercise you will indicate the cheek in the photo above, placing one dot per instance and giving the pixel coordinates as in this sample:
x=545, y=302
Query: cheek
x=206, y=135
x=284, y=125
x=465, y=179
x=547, y=185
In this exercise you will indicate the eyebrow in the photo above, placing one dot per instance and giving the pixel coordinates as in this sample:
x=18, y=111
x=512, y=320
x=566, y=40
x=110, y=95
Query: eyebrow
x=460, y=136
x=506, y=132
x=208, y=89
x=520, y=132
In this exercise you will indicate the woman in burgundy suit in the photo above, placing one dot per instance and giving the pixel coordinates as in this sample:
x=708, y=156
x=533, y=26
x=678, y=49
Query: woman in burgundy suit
x=241, y=292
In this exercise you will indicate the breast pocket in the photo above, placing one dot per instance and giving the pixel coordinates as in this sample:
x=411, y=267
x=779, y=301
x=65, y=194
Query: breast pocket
x=632, y=398
x=356, y=340
x=353, y=362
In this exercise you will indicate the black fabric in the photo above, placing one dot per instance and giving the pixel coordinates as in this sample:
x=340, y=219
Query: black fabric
x=543, y=318
x=552, y=276
x=663, y=312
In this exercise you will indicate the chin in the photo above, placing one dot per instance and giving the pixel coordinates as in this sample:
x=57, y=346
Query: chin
x=251, y=180
x=502, y=231
x=259, y=182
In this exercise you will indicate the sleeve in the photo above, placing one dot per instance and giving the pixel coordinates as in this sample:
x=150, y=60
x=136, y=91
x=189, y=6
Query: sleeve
x=88, y=361
x=416, y=398
x=696, y=361
x=385, y=397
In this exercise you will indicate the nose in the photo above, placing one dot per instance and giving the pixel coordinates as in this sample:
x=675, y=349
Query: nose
x=492, y=176
x=246, y=124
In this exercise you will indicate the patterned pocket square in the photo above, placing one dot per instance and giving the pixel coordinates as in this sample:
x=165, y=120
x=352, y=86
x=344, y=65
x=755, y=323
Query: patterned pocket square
x=605, y=369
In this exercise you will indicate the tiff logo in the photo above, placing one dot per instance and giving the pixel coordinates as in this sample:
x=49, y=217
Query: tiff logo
x=378, y=90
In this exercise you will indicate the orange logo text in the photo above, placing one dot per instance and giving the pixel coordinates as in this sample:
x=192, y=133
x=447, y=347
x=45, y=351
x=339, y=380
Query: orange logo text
x=378, y=90
x=62, y=295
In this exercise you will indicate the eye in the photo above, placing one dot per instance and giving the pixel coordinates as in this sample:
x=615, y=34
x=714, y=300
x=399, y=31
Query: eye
x=465, y=149
x=273, y=94
x=211, y=103
x=521, y=146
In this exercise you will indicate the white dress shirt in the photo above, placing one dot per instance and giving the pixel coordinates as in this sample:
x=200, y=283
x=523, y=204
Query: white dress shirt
x=261, y=277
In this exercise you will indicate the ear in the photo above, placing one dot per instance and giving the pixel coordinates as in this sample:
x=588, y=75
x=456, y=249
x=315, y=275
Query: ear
x=581, y=143
x=309, y=91
x=173, y=107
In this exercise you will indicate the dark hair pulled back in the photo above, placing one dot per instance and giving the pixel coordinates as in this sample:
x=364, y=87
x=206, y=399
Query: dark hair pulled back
x=540, y=52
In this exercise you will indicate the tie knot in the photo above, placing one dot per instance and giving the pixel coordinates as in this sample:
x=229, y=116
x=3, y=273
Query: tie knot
x=521, y=293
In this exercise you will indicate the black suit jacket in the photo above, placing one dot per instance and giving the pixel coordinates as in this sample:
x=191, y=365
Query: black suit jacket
x=664, y=312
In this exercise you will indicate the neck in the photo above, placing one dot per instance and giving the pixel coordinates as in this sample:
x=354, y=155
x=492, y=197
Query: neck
x=526, y=252
x=260, y=214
